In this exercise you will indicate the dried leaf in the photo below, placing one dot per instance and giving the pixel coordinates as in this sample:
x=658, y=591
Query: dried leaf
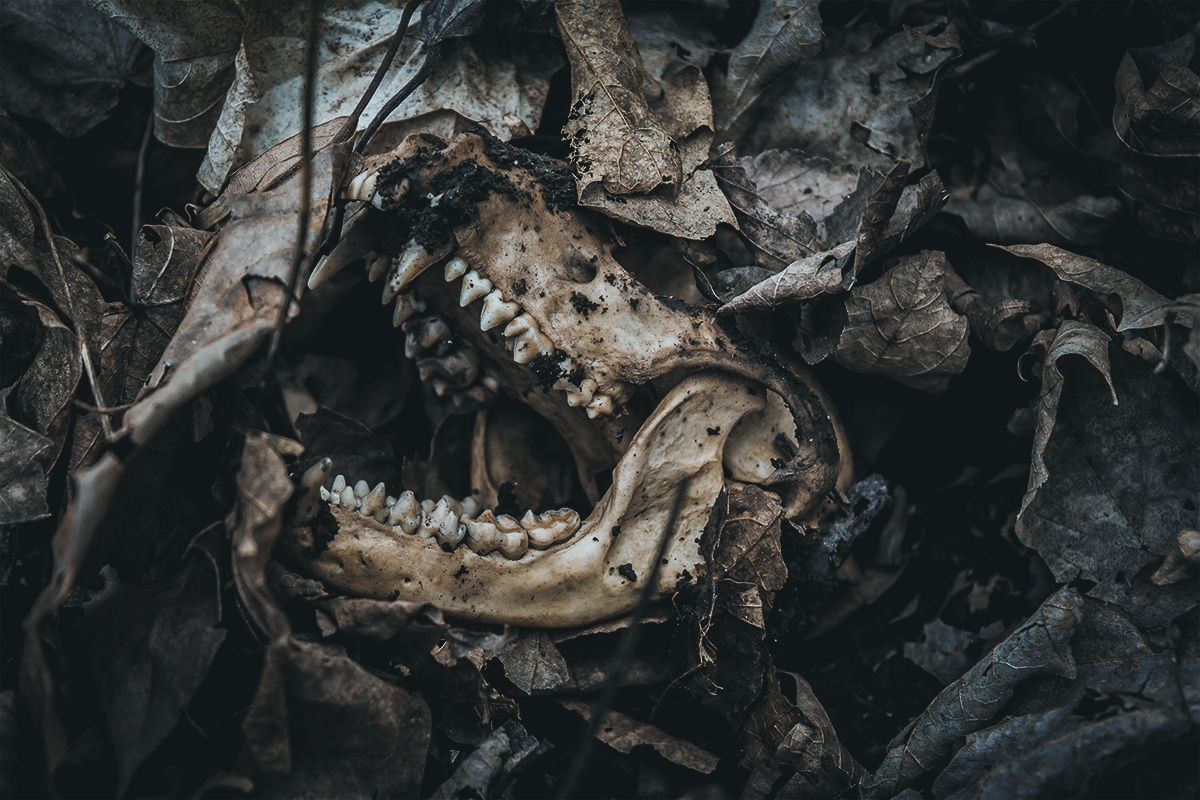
x=747, y=559
x=1038, y=647
x=794, y=182
x=21, y=154
x=450, y=19
x=867, y=109
x=1112, y=486
x=63, y=63
x=784, y=33
x=533, y=663
x=24, y=472
x=623, y=733
x=43, y=395
x=482, y=774
x=150, y=648
x=616, y=140
x=903, y=326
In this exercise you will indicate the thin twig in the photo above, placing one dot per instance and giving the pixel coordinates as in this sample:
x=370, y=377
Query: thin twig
x=139, y=179
x=388, y=57
x=431, y=56
x=623, y=657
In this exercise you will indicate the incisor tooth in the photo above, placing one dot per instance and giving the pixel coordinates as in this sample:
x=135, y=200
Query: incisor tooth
x=601, y=406
x=496, y=310
x=474, y=286
x=455, y=269
x=409, y=264
x=405, y=513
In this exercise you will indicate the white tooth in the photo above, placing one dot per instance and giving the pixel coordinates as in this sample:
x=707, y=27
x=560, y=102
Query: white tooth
x=529, y=345
x=490, y=381
x=455, y=506
x=550, y=527
x=405, y=514
x=411, y=263
x=397, y=193
x=347, y=499
x=519, y=325
x=389, y=501
x=514, y=541
x=496, y=310
x=339, y=483
x=470, y=506
x=601, y=405
x=427, y=506
x=363, y=186
x=455, y=269
x=482, y=534
x=325, y=270
x=362, y=489
x=325, y=494
x=474, y=286
x=377, y=266
x=444, y=524
x=373, y=503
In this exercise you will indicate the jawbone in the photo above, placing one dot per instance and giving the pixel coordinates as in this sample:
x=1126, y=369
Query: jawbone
x=482, y=240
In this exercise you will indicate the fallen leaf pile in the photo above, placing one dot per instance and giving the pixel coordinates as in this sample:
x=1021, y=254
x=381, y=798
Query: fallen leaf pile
x=975, y=223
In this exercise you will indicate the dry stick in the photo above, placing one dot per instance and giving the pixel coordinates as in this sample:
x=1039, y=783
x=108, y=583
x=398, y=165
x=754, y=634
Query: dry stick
x=138, y=181
x=388, y=57
x=299, y=257
x=623, y=657
x=431, y=55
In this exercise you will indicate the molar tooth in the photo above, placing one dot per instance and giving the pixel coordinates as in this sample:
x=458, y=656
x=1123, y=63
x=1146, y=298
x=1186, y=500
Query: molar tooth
x=482, y=534
x=514, y=541
x=550, y=527
x=411, y=263
x=601, y=406
x=346, y=498
x=427, y=505
x=441, y=523
x=405, y=513
x=455, y=269
x=363, y=186
x=474, y=286
x=389, y=501
x=424, y=334
x=373, y=504
x=496, y=310
x=407, y=307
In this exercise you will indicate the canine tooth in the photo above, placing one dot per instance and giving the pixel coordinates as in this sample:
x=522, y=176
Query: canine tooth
x=339, y=483
x=325, y=270
x=601, y=406
x=550, y=527
x=455, y=269
x=411, y=263
x=373, y=504
x=363, y=186
x=361, y=489
x=514, y=541
x=377, y=267
x=347, y=499
x=474, y=286
x=405, y=513
x=496, y=310
x=482, y=535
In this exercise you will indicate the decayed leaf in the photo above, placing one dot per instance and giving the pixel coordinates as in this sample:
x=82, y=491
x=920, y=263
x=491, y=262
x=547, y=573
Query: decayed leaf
x=792, y=182
x=43, y=395
x=1039, y=647
x=1112, y=486
x=64, y=63
x=508, y=749
x=868, y=109
x=150, y=647
x=24, y=471
x=623, y=733
x=902, y=326
x=322, y=726
x=747, y=561
x=21, y=154
x=533, y=663
x=784, y=33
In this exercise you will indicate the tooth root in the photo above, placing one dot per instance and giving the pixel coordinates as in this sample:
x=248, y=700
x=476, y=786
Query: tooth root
x=405, y=513
x=346, y=498
x=474, y=286
x=482, y=535
x=373, y=504
x=601, y=406
x=362, y=187
x=339, y=483
x=407, y=307
x=496, y=310
x=455, y=269
x=410, y=264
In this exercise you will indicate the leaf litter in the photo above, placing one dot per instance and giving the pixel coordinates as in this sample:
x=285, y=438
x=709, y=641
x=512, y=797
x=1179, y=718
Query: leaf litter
x=984, y=248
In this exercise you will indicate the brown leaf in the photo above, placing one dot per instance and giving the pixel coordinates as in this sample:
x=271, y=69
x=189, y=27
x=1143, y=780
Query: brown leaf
x=483, y=773
x=793, y=182
x=784, y=33
x=623, y=733
x=533, y=663
x=902, y=326
x=748, y=554
x=43, y=395
x=24, y=472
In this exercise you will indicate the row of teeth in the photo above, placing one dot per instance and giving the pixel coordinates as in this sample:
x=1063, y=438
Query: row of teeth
x=454, y=522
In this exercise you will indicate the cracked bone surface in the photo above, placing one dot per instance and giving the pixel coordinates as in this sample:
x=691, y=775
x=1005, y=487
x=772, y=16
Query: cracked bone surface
x=594, y=574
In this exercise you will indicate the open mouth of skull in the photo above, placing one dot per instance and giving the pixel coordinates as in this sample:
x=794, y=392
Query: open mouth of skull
x=504, y=291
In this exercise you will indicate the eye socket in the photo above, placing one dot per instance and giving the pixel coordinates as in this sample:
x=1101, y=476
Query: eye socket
x=579, y=268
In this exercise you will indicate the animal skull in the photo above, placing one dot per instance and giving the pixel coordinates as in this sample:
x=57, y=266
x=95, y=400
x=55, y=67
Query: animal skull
x=499, y=281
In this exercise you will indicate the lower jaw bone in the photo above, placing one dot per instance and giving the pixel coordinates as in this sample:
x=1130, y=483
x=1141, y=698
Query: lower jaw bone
x=598, y=572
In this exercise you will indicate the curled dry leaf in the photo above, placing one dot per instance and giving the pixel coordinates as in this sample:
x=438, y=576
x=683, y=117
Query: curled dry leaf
x=506, y=750
x=1039, y=647
x=24, y=472
x=533, y=663
x=902, y=326
x=784, y=33
x=623, y=733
